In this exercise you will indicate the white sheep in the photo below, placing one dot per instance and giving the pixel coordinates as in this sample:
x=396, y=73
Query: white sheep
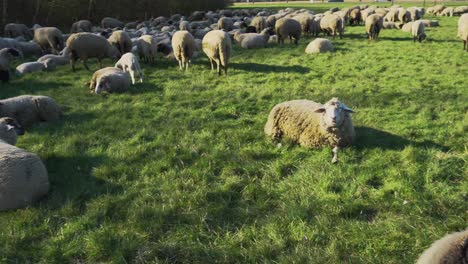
x=147, y=48
x=451, y=249
x=417, y=30
x=312, y=124
x=253, y=40
x=49, y=38
x=51, y=61
x=30, y=67
x=129, y=63
x=121, y=40
x=184, y=47
x=30, y=109
x=288, y=27
x=332, y=24
x=319, y=45
x=463, y=30
x=217, y=46
x=110, y=79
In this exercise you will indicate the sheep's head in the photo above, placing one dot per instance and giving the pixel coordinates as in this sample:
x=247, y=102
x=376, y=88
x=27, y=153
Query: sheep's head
x=103, y=85
x=9, y=130
x=334, y=112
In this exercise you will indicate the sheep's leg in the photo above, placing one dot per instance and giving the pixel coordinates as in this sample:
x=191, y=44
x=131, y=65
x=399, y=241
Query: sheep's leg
x=335, y=154
x=212, y=66
x=72, y=63
x=180, y=65
x=85, y=65
x=100, y=63
x=132, y=75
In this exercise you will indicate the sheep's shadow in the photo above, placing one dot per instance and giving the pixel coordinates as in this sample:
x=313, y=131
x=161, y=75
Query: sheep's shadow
x=368, y=137
x=256, y=67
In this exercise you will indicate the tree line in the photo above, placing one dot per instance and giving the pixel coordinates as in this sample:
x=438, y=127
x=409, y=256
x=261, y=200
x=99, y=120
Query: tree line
x=62, y=13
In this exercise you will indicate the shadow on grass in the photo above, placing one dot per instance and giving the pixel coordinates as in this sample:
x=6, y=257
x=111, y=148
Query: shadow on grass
x=255, y=67
x=368, y=137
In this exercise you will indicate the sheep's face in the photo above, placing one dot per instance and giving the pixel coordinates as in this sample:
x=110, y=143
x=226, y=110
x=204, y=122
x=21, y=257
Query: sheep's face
x=334, y=112
x=103, y=85
x=10, y=125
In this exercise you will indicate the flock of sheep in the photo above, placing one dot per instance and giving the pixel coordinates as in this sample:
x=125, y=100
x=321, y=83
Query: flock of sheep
x=23, y=177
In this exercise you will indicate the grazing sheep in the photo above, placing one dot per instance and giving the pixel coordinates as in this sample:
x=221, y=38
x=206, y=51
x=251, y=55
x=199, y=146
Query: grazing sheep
x=308, y=24
x=374, y=23
x=447, y=12
x=259, y=23
x=184, y=25
x=392, y=15
x=81, y=26
x=253, y=40
x=451, y=249
x=366, y=12
x=129, y=63
x=331, y=24
x=51, y=61
x=49, y=38
x=288, y=27
x=217, y=46
x=417, y=30
x=184, y=47
x=319, y=45
x=355, y=17
x=30, y=67
x=109, y=22
x=110, y=79
x=23, y=176
x=30, y=109
x=460, y=10
x=416, y=13
x=226, y=24
x=147, y=48
x=463, y=30
x=404, y=16
x=6, y=56
x=87, y=45
x=13, y=30
x=437, y=9
x=312, y=124
x=408, y=27
x=121, y=40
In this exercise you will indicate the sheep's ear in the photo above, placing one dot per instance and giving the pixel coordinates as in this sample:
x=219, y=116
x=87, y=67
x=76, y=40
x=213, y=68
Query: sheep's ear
x=9, y=127
x=347, y=109
x=320, y=110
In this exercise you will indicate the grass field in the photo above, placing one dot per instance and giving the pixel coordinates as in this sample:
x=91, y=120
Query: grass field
x=178, y=169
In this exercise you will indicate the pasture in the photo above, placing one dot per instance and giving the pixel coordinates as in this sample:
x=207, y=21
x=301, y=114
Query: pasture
x=178, y=169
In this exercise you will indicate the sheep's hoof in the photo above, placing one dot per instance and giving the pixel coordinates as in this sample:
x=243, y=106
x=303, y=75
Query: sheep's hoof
x=335, y=160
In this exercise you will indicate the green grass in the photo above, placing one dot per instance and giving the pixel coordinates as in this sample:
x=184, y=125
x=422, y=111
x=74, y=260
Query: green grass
x=178, y=168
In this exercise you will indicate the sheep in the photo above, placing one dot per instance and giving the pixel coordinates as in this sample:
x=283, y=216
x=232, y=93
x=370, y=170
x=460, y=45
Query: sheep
x=332, y=24
x=447, y=12
x=451, y=249
x=259, y=23
x=6, y=56
x=23, y=176
x=226, y=24
x=389, y=25
x=460, y=10
x=184, y=47
x=374, y=23
x=355, y=17
x=307, y=22
x=312, y=124
x=254, y=40
x=403, y=15
x=13, y=30
x=417, y=30
x=319, y=45
x=129, y=63
x=121, y=40
x=29, y=48
x=288, y=27
x=366, y=12
x=87, y=45
x=30, y=109
x=217, y=46
x=109, y=22
x=430, y=23
x=52, y=61
x=392, y=15
x=437, y=9
x=30, y=67
x=81, y=26
x=49, y=38
x=463, y=30
x=147, y=48
x=184, y=25
x=408, y=27
x=110, y=79
x=416, y=13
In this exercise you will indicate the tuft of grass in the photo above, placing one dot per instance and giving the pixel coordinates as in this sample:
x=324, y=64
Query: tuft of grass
x=178, y=169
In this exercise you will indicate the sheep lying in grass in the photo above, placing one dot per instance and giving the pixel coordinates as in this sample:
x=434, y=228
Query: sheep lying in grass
x=51, y=61
x=217, y=46
x=417, y=30
x=6, y=56
x=408, y=27
x=312, y=124
x=30, y=67
x=463, y=30
x=451, y=249
x=184, y=47
x=129, y=63
x=110, y=79
x=49, y=38
x=319, y=45
x=374, y=23
x=23, y=176
x=30, y=109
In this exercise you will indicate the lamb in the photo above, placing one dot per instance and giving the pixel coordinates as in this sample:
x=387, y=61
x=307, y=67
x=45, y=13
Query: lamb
x=254, y=40
x=312, y=124
x=13, y=30
x=49, y=38
x=417, y=30
x=6, y=56
x=332, y=24
x=451, y=249
x=184, y=47
x=129, y=63
x=288, y=27
x=226, y=24
x=30, y=67
x=87, y=45
x=110, y=79
x=319, y=45
x=147, y=48
x=374, y=23
x=447, y=12
x=109, y=22
x=30, y=109
x=259, y=23
x=217, y=46
x=463, y=30
x=51, y=61
x=121, y=40
x=23, y=176
x=81, y=26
